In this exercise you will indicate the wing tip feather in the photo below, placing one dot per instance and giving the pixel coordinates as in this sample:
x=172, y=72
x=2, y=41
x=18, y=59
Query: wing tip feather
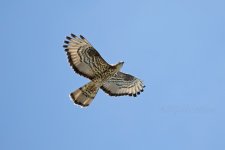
x=81, y=36
x=66, y=42
x=73, y=35
x=68, y=38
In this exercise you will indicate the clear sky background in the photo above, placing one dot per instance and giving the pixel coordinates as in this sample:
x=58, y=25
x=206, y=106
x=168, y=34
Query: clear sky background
x=176, y=47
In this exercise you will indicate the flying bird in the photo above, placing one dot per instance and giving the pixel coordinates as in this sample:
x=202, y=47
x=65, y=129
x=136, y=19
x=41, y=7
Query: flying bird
x=86, y=61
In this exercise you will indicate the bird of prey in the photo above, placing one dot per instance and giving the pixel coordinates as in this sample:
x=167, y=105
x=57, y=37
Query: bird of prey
x=86, y=61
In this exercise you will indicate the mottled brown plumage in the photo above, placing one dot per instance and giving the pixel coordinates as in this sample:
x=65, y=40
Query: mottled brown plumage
x=86, y=61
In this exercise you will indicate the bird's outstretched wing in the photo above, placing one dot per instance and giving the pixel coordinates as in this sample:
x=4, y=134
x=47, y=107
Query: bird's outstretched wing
x=123, y=84
x=83, y=57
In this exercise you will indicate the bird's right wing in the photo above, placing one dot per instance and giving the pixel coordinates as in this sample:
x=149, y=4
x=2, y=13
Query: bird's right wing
x=123, y=84
x=83, y=57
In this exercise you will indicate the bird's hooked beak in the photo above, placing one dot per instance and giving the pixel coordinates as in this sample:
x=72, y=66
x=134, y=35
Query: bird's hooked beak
x=120, y=65
x=121, y=62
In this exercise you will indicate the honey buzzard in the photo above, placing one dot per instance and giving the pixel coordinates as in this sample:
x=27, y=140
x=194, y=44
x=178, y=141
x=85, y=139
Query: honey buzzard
x=86, y=61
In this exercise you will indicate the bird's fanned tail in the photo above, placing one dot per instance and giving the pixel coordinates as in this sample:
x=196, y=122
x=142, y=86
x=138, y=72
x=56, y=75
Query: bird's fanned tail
x=84, y=95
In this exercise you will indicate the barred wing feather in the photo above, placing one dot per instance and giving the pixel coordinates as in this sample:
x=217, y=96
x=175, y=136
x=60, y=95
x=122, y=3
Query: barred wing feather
x=83, y=57
x=123, y=84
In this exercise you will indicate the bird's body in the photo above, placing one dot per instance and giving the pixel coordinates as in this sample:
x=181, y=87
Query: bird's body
x=86, y=61
x=84, y=95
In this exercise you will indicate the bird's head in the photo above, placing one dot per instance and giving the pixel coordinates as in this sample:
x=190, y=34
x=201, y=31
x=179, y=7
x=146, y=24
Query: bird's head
x=119, y=65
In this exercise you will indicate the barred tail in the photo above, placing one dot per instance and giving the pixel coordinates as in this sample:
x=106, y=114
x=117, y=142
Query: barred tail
x=84, y=95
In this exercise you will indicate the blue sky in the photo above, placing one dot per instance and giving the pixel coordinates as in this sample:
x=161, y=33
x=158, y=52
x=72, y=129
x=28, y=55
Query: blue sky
x=176, y=47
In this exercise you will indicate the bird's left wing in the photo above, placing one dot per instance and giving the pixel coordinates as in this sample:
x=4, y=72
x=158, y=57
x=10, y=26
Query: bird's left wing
x=123, y=84
x=83, y=57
